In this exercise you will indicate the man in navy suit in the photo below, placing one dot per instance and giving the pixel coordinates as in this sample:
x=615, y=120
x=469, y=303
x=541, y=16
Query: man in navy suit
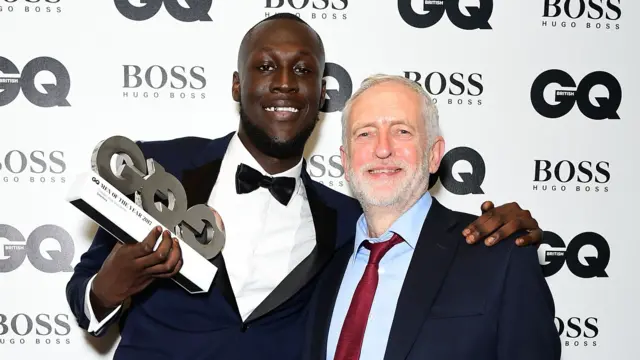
x=408, y=287
x=282, y=227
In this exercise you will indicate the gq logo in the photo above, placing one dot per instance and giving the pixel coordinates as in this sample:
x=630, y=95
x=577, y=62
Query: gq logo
x=470, y=181
x=198, y=10
x=55, y=93
x=337, y=98
x=607, y=107
x=18, y=249
x=478, y=15
x=560, y=253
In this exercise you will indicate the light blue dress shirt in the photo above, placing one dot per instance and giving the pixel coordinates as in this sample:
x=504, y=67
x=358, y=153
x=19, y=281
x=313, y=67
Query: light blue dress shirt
x=392, y=270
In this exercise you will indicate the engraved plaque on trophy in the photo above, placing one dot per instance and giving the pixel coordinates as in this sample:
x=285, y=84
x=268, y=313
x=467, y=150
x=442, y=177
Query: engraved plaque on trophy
x=123, y=200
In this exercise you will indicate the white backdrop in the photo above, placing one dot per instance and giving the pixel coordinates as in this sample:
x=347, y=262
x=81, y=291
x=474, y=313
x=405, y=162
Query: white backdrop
x=78, y=95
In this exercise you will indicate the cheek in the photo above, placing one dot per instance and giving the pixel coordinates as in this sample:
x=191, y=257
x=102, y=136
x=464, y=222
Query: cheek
x=361, y=155
x=254, y=88
x=408, y=153
x=311, y=92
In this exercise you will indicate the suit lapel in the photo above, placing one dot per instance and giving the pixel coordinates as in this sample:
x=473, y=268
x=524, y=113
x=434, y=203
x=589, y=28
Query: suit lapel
x=327, y=293
x=198, y=183
x=429, y=265
x=324, y=222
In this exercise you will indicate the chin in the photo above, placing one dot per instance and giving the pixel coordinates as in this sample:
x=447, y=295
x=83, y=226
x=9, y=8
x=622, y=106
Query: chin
x=380, y=192
x=380, y=200
x=377, y=195
x=382, y=186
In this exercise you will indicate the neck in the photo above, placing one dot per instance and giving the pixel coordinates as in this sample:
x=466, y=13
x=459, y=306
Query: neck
x=270, y=164
x=380, y=218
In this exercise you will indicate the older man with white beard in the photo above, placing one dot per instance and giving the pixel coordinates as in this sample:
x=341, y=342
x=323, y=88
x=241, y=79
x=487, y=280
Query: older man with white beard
x=407, y=288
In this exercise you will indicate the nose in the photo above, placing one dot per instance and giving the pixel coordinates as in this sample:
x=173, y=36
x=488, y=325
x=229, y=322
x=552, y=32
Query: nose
x=383, y=145
x=284, y=81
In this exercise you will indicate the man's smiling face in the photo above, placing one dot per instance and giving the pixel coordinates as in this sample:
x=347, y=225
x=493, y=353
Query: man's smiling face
x=279, y=86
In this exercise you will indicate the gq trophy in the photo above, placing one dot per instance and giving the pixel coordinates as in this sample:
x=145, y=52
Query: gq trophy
x=123, y=201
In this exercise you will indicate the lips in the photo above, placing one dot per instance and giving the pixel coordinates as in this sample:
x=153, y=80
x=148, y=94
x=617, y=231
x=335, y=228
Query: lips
x=289, y=109
x=384, y=170
x=282, y=109
x=383, y=173
x=283, y=104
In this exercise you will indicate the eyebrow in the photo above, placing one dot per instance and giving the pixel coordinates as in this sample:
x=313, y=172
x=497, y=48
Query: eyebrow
x=390, y=122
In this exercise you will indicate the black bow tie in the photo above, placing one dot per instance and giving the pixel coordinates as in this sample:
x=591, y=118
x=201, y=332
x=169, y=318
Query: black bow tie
x=249, y=179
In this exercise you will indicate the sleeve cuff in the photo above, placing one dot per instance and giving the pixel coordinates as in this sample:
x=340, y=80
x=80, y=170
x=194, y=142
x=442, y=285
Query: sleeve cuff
x=94, y=325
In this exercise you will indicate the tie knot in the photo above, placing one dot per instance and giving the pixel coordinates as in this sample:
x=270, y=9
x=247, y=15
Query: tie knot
x=249, y=179
x=379, y=249
x=265, y=181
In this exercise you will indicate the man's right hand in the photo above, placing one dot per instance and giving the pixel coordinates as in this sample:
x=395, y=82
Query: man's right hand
x=130, y=268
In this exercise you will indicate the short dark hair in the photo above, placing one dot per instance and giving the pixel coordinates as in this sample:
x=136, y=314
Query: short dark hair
x=278, y=16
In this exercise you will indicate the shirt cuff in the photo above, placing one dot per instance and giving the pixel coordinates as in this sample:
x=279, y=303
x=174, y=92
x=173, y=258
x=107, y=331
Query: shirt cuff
x=94, y=325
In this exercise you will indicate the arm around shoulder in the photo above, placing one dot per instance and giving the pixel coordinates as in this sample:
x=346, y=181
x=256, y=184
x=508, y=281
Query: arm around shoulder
x=526, y=329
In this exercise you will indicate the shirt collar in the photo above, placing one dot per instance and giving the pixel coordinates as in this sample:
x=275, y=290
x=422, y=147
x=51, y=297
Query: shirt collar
x=238, y=153
x=408, y=225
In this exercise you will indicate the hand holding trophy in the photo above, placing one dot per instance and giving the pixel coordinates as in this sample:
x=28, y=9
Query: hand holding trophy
x=123, y=201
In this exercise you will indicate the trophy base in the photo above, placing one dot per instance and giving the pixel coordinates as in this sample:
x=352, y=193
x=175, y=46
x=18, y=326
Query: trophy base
x=129, y=223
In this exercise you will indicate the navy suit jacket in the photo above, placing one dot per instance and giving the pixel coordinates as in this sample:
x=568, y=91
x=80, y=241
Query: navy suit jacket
x=458, y=302
x=165, y=322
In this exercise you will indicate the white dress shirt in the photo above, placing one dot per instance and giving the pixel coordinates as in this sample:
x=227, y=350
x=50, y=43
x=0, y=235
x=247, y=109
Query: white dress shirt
x=265, y=240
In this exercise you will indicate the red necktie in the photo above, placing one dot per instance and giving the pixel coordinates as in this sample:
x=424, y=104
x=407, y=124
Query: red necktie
x=355, y=323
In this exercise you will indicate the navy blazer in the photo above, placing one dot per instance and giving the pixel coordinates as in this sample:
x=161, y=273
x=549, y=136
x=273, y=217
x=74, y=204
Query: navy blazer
x=458, y=301
x=165, y=322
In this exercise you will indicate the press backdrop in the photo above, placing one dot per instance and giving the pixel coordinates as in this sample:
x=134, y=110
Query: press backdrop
x=537, y=100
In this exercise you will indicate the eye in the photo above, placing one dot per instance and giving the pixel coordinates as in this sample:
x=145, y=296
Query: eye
x=265, y=67
x=363, y=134
x=301, y=70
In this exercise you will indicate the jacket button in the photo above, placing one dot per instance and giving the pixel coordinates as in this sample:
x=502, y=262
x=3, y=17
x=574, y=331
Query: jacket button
x=244, y=327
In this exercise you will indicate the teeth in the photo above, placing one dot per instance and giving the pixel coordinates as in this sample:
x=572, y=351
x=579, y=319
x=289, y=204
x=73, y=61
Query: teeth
x=282, y=109
x=383, y=171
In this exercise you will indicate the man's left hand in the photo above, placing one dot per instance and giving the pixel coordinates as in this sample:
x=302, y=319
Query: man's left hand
x=497, y=223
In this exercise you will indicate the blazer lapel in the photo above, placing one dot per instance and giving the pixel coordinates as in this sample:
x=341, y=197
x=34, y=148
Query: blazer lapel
x=198, y=183
x=324, y=221
x=326, y=295
x=429, y=265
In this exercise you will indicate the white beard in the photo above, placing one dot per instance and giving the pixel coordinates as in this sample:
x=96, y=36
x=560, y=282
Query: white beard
x=404, y=189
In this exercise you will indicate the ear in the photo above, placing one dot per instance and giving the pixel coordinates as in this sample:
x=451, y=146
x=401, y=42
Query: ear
x=345, y=163
x=235, y=87
x=323, y=93
x=435, y=154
